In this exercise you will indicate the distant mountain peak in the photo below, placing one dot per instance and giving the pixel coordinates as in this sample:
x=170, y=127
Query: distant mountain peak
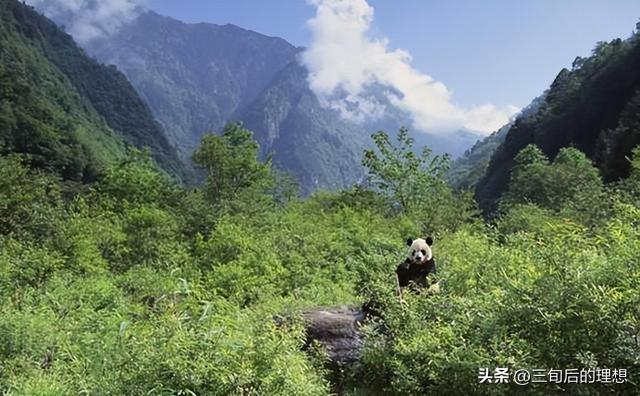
x=197, y=77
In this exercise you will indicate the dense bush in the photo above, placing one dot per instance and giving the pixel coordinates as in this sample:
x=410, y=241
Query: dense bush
x=570, y=185
x=135, y=286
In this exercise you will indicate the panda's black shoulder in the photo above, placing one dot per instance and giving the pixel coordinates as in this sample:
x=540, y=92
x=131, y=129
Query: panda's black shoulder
x=431, y=266
x=403, y=266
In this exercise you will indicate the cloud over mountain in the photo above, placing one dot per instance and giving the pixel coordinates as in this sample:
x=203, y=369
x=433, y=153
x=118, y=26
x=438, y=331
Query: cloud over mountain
x=345, y=61
x=86, y=20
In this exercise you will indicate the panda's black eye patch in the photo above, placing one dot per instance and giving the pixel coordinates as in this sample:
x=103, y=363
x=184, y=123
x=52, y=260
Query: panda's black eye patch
x=424, y=252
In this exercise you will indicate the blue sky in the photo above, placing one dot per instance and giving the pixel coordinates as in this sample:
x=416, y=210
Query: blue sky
x=500, y=51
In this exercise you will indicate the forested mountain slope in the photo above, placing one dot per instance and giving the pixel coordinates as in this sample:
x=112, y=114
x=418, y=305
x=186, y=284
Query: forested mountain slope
x=69, y=113
x=594, y=107
x=467, y=170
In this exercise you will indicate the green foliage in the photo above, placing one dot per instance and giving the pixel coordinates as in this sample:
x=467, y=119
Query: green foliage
x=286, y=188
x=115, y=299
x=134, y=286
x=36, y=119
x=628, y=189
x=67, y=113
x=29, y=200
x=570, y=185
x=232, y=165
x=594, y=107
x=135, y=180
x=415, y=184
x=556, y=299
x=399, y=173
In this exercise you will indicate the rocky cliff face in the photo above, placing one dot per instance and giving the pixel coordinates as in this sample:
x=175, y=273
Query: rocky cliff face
x=197, y=77
x=194, y=76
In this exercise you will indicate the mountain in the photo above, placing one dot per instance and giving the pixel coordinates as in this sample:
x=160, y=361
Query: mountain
x=198, y=77
x=594, y=107
x=309, y=140
x=193, y=76
x=63, y=110
x=466, y=171
x=317, y=144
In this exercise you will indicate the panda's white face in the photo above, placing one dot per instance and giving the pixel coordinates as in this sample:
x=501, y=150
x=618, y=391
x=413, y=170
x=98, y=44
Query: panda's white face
x=420, y=250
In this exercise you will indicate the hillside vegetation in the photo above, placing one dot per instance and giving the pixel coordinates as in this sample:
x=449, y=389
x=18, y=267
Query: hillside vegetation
x=594, y=107
x=137, y=286
x=63, y=110
x=466, y=171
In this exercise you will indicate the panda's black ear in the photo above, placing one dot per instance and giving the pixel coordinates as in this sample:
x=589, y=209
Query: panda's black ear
x=409, y=242
x=429, y=240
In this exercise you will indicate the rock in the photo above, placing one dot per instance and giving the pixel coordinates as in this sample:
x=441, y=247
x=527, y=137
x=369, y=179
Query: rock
x=337, y=329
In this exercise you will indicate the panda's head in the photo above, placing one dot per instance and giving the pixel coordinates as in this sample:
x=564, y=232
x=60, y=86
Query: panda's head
x=420, y=250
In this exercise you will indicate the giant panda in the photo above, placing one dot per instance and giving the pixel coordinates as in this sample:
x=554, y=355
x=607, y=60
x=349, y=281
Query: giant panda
x=414, y=271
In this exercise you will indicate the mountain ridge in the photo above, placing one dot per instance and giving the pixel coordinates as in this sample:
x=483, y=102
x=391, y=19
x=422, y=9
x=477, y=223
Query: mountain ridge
x=77, y=112
x=192, y=83
x=198, y=77
x=594, y=107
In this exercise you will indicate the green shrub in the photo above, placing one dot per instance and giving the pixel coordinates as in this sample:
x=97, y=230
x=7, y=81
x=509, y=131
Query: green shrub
x=134, y=286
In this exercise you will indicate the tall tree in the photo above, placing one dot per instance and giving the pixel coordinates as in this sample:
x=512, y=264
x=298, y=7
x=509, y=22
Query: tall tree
x=402, y=175
x=232, y=165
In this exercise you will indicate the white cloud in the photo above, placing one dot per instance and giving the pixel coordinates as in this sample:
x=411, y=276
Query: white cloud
x=86, y=20
x=343, y=60
x=489, y=116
